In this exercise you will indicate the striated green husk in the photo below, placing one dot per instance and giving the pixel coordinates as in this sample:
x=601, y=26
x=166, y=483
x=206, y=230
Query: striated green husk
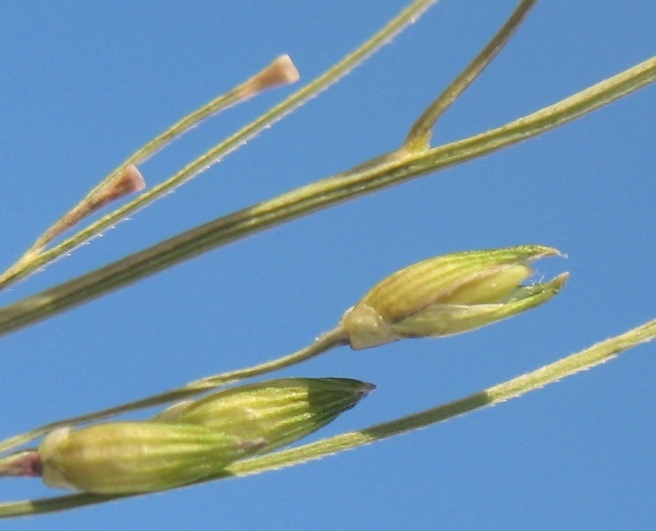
x=448, y=295
x=129, y=457
x=278, y=411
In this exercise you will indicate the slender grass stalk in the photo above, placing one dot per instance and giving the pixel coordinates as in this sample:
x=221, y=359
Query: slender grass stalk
x=327, y=341
x=549, y=374
x=127, y=179
x=382, y=172
x=418, y=138
x=35, y=259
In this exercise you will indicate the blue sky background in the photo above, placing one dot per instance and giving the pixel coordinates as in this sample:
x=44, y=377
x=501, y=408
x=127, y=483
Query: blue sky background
x=85, y=84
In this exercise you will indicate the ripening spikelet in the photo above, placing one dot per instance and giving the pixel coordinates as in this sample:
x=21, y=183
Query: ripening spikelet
x=448, y=295
x=277, y=411
x=128, y=457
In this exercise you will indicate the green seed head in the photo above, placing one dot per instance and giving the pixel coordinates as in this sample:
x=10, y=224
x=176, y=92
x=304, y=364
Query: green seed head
x=448, y=295
x=278, y=412
x=129, y=457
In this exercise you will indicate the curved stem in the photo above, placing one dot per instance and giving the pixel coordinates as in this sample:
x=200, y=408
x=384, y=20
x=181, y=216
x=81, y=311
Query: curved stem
x=329, y=340
x=599, y=353
x=385, y=171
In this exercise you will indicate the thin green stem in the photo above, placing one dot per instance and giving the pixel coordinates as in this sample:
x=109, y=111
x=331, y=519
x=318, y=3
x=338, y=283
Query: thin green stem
x=327, y=341
x=418, y=138
x=382, y=172
x=278, y=72
x=331, y=76
x=595, y=355
x=581, y=361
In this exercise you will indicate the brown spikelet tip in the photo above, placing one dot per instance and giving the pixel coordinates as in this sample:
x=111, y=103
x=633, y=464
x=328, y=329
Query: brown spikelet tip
x=281, y=71
x=127, y=182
